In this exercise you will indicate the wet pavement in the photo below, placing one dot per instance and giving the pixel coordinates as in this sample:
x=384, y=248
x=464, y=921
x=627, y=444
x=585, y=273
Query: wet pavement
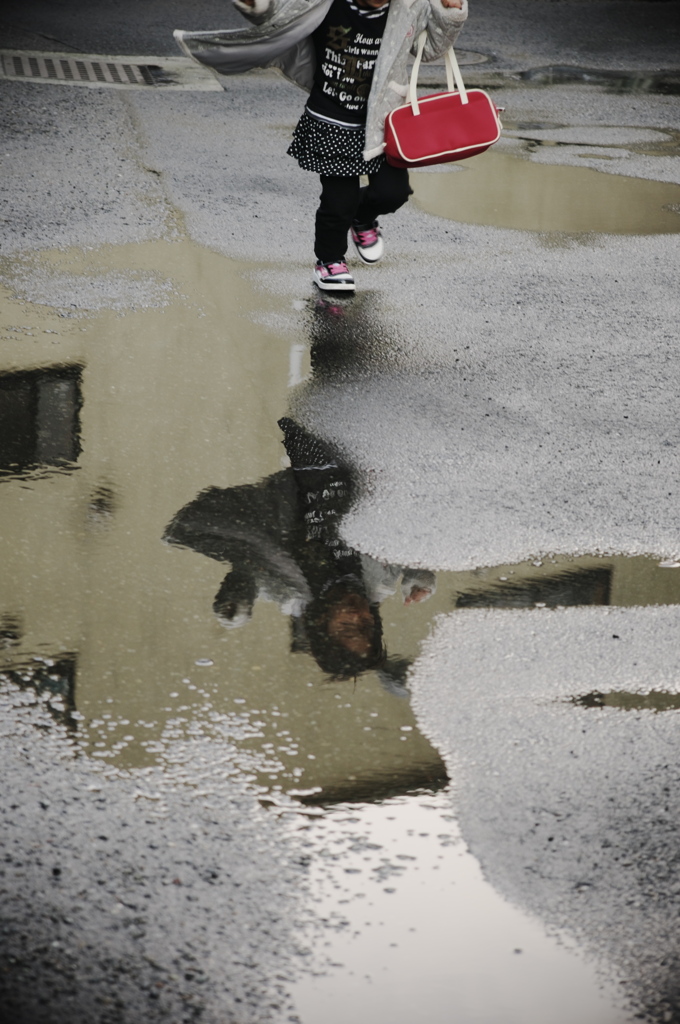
x=589, y=849
x=337, y=638
x=181, y=579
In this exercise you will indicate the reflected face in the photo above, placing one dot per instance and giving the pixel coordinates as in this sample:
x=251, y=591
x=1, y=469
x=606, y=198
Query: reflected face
x=351, y=623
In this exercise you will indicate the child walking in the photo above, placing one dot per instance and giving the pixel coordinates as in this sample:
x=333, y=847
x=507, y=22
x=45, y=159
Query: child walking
x=330, y=138
x=352, y=57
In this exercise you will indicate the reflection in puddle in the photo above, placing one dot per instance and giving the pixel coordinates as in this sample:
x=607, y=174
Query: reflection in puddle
x=281, y=539
x=618, y=82
x=256, y=625
x=563, y=582
x=39, y=418
x=87, y=572
x=505, y=191
x=10, y=631
x=614, y=82
x=616, y=140
x=52, y=679
x=102, y=506
x=413, y=931
x=656, y=700
x=571, y=586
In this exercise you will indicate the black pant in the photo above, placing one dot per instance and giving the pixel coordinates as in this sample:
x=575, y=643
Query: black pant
x=344, y=202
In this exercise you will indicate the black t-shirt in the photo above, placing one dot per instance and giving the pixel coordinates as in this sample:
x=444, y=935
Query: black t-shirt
x=347, y=43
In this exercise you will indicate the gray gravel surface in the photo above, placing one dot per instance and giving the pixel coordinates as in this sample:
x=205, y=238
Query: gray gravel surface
x=532, y=409
x=627, y=34
x=131, y=898
x=609, y=34
x=71, y=170
x=126, y=26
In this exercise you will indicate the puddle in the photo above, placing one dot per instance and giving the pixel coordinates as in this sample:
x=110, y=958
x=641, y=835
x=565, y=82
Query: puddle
x=144, y=429
x=414, y=931
x=500, y=190
x=172, y=571
x=561, y=581
x=465, y=58
x=663, y=83
x=225, y=628
x=619, y=139
x=656, y=700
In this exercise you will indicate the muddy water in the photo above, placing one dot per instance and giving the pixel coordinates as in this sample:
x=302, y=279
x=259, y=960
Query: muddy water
x=147, y=611
x=502, y=190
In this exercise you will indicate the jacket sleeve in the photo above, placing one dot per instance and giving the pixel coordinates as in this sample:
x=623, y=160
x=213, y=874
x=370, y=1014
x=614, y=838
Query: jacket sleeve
x=443, y=25
x=422, y=579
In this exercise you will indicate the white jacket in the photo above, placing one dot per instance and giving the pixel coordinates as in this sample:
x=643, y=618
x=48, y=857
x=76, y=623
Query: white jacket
x=280, y=37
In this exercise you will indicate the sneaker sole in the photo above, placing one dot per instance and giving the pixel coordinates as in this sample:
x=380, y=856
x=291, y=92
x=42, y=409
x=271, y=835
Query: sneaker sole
x=335, y=286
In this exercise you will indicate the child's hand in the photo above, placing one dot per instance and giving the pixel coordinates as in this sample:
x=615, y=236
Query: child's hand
x=418, y=594
x=452, y=3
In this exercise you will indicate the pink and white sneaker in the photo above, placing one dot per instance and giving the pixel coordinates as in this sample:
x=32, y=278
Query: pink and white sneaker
x=368, y=242
x=333, y=277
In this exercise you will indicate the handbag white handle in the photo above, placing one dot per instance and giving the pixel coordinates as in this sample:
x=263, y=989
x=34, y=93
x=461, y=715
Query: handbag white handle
x=452, y=72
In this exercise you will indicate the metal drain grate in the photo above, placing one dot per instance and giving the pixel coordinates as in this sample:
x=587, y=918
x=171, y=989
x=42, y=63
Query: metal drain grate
x=96, y=71
x=75, y=70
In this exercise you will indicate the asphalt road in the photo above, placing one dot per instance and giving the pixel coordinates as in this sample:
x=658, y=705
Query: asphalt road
x=502, y=394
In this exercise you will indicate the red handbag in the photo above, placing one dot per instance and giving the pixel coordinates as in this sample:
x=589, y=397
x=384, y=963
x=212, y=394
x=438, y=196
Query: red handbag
x=444, y=127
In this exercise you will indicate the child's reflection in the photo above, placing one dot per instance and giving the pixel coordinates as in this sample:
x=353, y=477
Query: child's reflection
x=282, y=539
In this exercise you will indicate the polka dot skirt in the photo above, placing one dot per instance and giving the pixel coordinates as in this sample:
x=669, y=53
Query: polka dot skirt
x=331, y=149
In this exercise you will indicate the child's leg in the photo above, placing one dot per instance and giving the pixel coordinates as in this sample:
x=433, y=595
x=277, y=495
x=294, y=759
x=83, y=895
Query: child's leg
x=387, y=190
x=337, y=210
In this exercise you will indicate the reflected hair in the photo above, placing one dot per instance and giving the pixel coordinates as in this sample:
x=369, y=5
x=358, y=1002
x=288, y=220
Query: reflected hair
x=330, y=654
